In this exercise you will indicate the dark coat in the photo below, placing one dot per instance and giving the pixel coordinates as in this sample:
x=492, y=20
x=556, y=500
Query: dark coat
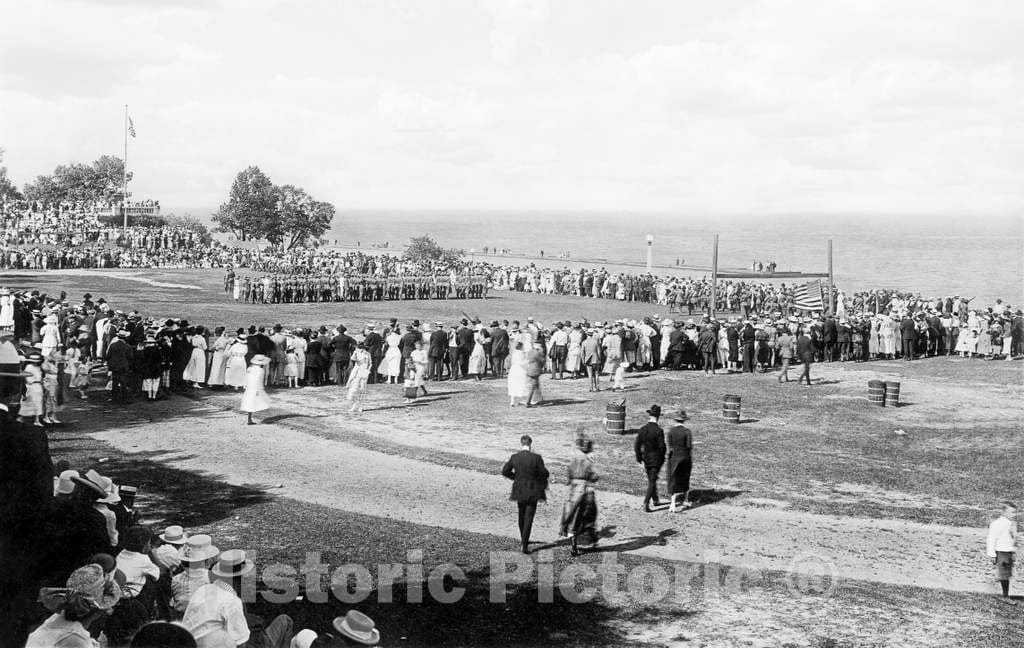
x=341, y=347
x=119, y=356
x=908, y=329
x=805, y=348
x=374, y=344
x=315, y=354
x=499, y=342
x=438, y=344
x=464, y=337
x=529, y=477
x=408, y=343
x=650, y=445
x=151, y=363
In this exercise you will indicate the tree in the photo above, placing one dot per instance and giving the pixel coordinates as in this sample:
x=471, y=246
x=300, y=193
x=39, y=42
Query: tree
x=251, y=209
x=7, y=189
x=301, y=217
x=424, y=249
x=102, y=180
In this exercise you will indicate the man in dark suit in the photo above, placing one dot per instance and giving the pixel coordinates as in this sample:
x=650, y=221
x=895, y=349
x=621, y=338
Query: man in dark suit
x=805, y=351
x=529, y=483
x=650, y=452
x=341, y=348
x=375, y=345
x=464, y=347
x=435, y=354
x=119, y=363
x=829, y=335
x=499, y=350
x=908, y=336
x=407, y=345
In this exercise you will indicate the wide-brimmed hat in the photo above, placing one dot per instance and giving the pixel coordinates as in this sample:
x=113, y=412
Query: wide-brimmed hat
x=174, y=535
x=259, y=360
x=198, y=548
x=303, y=639
x=232, y=563
x=655, y=410
x=89, y=583
x=357, y=627
x=65, y=485
x=34, y=358
x=92, y=481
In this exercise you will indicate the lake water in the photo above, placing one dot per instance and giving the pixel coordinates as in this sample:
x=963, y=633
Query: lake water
x=978, y=257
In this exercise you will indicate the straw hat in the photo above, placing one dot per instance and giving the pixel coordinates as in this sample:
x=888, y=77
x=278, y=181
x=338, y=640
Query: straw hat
x=232, y=564
x=357, y=627
x=198, y=548
x=174, y=535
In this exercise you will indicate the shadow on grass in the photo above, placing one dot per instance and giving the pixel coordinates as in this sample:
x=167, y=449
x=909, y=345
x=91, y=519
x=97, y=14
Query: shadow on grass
x=512, y=614
x=166, y=495
x=704, y=496
x=559, y=402
x=634, y=543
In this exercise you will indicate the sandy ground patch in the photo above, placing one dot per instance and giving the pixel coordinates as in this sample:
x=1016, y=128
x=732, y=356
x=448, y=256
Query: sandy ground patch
x=346, y=477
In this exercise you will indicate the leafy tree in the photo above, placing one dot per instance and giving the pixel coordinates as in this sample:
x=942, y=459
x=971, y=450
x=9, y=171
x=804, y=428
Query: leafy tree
x=7, y=188
x=251, y=209
x=424, y=249
x=100, y=181
x=302, y=219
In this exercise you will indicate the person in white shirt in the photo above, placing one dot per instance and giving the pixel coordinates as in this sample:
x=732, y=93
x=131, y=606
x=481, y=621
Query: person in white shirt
x=216, y=617
x=139, y=590
x=1002, y=545
x=196, y=556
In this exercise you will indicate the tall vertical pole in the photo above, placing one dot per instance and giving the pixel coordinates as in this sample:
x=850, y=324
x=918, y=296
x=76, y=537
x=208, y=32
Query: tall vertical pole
x=831, y=282
x=124, y=202
x=714, y=277
x=650, y=248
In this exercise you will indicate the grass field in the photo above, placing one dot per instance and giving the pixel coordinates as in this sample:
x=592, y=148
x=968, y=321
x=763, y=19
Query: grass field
x=820, y=451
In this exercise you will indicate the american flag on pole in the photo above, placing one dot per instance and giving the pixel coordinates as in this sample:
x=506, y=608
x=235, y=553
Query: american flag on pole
x=131, y=127
x=808, y=296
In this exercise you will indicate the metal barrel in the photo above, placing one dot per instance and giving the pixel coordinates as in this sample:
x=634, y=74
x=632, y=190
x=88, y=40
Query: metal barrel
x=876, y=392
x=615, y=418
x=731, y=408
x=892, y=393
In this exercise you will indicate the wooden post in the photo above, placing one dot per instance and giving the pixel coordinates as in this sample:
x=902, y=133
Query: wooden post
x=831, y=282
x=714, y=277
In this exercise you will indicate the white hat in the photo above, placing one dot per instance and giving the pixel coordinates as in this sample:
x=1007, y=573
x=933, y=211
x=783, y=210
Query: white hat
x=232, y=563
x=197, y=548
x=65, y=485
x=174, y=535
x=304, y=639
x=358, y=627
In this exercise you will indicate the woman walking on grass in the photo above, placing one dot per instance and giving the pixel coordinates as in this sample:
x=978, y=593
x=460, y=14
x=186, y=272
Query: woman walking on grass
x=254, y=399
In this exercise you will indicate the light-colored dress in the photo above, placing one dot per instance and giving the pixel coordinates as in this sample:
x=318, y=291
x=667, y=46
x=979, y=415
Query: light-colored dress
x=195, y=371
x=573, y=352
x=51, y=338
x=32, y=401
x=254, y=398
x=234, y=375
x=218, y=365
x=518, y=382
x=478, y=358
x=6, y=312
x=300, y=345
x=419, y=359
x=359, y=374
x=393, y=356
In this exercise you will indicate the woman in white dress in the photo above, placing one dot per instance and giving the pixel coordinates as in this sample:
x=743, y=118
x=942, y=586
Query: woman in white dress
x=358, y=376
x=518, y=382
x=966, y=342
x=574, y=350
x=234, y=374
x=50, y=334
x=300, y=344
x=392, y=357
x=254, y=399
x=218, y=365
x=6, y=309
x=478, y=358
x=32, y=401
x=419, y=362
x=195, y=371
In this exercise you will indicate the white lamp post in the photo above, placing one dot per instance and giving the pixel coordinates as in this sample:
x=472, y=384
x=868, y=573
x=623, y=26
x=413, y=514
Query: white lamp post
x=650, y=248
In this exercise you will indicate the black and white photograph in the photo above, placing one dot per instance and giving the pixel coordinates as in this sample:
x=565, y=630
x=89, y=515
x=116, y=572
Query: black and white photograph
x=525, y=323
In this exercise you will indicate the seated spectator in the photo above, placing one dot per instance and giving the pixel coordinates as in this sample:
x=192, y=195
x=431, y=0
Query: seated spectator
x=84, y=600
x=139, y=593
x=196, y=556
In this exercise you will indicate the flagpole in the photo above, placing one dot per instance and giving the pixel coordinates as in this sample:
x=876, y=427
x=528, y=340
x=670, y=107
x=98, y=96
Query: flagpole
x=124, y=203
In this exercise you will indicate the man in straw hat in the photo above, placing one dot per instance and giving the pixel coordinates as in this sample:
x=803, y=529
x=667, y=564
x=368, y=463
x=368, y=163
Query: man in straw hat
x=215, y=615
x=650, y=453
x=196, y=556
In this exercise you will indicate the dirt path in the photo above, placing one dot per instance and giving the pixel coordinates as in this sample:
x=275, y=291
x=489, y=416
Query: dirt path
x=346, y=477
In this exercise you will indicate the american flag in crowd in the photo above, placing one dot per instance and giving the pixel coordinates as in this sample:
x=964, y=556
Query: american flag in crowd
x=808, y=296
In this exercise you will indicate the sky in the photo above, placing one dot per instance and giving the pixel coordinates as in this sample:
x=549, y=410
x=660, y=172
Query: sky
x=723, y=107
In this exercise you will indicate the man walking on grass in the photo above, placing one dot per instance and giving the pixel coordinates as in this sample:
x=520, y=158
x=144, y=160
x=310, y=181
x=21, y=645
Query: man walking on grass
x=1002, y=545
x=650, y=453
x=529, y=483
